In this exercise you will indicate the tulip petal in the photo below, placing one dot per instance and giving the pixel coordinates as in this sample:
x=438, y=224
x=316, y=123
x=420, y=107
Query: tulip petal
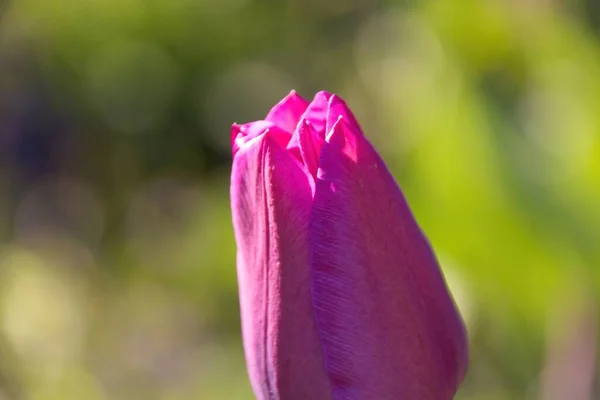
x=321, y=114
x=271, y=200
x=310, y=147
x=337, y=108
x=315, y=116
x=388, y=326
x=316, y=113
x=286, y=114
x=243, y=135
x=310, y=133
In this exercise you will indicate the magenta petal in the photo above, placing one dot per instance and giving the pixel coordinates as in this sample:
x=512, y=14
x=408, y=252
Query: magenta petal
x=286, y=114
x=315, y=116
x=271, y=200
x=388, y=326
x=243, y=135
x=337, y=108
x=310, y=147
x=316, y=113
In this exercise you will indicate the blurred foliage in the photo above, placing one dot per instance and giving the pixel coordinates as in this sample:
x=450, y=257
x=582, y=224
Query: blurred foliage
x=117, y=256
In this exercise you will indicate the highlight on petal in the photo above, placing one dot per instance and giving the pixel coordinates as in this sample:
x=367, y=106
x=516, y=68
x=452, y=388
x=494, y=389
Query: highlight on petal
x=337, y=108
x=242, y=135
x=286, y=114
x=388, y=326
x=271, y=200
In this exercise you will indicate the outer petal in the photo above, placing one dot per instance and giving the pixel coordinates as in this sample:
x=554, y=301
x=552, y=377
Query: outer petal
x=337, y=108
x=271, y=200
x=388, y=326
x=286, y=114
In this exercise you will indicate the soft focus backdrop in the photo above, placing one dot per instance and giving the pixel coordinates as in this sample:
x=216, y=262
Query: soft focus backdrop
x=117, y=276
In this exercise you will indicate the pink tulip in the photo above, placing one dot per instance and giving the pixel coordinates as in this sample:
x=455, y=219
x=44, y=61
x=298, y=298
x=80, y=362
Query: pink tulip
x=341, y=295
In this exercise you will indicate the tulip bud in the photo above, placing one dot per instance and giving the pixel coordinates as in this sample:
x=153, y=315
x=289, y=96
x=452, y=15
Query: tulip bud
x=341, y=295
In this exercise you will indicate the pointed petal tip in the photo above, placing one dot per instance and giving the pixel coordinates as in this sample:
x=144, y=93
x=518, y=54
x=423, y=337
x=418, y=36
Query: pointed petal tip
x=287, y=112
x=293, y=94
x=322, y=95
x=338, y=106
x=334, y=98
x=294, y=99
x=337, y=131
x=235, y=131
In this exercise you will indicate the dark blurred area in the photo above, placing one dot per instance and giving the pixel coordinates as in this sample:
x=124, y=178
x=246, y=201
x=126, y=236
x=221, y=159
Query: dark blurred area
x=117, y=259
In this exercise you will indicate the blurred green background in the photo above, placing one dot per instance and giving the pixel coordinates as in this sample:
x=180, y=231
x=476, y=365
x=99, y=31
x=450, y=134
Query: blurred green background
x=117, y=275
